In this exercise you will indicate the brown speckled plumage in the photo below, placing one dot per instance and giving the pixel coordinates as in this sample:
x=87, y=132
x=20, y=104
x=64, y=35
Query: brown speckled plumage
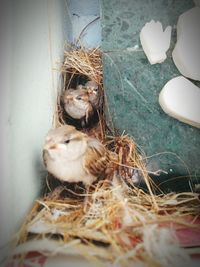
x=97, y=160
x=73, y=156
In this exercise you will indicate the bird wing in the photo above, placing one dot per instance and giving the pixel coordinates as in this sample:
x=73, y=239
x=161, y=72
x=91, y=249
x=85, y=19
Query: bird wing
x=96, y=158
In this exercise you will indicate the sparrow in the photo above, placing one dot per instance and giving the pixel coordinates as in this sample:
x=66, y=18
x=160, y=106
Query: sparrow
x=72, y=156
x=94, y=93
x=77, y=105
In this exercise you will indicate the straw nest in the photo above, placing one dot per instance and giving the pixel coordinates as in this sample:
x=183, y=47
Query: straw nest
x=79, y=66
x=120, y=222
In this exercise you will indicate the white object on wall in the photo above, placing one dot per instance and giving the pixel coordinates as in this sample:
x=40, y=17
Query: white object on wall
x=186, y=54
x=155, y=42
x=180, y=99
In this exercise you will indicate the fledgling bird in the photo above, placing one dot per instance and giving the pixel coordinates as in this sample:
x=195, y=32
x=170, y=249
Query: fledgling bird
x=77, y=105
x=73, y=156
x=94, y=93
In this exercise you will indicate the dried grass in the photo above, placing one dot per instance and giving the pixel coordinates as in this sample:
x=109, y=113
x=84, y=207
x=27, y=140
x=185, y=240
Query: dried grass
x=119, y=218
x=117, y=222
x=83, y=61
x=79, y=62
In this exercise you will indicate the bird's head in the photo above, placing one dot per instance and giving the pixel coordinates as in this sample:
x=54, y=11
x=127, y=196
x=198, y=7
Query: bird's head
x=65, y=143
x=92, y=88
x=92, y=91
x=77, y=97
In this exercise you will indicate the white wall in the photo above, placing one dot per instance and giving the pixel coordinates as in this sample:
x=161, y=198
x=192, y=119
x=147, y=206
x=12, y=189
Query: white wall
x=33, y=34
x=32, y=37
x=82, y=13
x=5, y=179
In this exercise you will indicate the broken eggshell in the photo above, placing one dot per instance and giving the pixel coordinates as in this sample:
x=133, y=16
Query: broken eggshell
x=186, y=54
x=180, y=99
x=155, y=42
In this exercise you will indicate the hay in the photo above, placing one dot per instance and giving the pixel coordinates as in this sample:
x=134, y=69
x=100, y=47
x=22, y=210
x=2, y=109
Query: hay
x=79, y=66
x=120, y=222
x=83, y=61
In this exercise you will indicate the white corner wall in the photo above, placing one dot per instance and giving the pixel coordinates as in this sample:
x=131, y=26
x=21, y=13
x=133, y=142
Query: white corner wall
x=32, y=37
x=85, y=16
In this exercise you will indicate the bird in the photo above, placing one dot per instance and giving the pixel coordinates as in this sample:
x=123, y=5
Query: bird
x=94, y=93
x=73, y=156
x=77, y=105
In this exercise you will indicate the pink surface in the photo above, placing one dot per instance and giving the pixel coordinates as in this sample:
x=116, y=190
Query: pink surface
x=32, y=259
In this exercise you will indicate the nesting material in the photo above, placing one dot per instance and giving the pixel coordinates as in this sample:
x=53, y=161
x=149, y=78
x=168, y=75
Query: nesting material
x=81, y=61
x=79, y=68
x=119, y=222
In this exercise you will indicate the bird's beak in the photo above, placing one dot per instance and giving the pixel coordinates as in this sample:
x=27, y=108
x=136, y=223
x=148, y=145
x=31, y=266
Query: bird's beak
x=85, y=97
x=50, y=146
x=90, y=92
x=68, y=98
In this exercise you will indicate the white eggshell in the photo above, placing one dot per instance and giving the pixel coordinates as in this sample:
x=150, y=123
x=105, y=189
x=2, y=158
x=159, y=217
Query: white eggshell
x=186, y=54
x=180, y=99
x=155, y=42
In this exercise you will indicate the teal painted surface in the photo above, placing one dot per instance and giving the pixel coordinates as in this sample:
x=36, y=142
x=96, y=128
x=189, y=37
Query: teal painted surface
x=133, y=86
x=122, y=20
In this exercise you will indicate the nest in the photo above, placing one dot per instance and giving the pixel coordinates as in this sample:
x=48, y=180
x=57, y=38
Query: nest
x=116, y=221
x=79, y=66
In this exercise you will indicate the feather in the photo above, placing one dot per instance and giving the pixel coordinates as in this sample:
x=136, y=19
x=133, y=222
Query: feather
x=97, y=158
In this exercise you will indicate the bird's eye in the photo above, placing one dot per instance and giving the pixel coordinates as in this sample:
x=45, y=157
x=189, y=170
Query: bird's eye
x=66, y=141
